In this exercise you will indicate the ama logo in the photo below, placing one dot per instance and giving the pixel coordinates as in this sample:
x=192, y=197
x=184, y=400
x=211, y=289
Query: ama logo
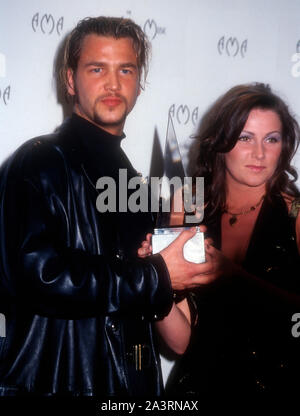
x=152, y=29
x=232, y=46
x=5, y=91
x=184, y=114
x=47, y=24
x=295, y=71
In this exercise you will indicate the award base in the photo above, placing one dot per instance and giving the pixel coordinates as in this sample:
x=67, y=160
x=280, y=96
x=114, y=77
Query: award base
x=193, y=250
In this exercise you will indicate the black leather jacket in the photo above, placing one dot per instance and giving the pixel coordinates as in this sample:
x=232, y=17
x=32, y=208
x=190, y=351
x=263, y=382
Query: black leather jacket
x=78, y=305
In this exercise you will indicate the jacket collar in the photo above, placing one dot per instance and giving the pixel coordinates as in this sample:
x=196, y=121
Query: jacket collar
x=97, y=152
x=88, y=135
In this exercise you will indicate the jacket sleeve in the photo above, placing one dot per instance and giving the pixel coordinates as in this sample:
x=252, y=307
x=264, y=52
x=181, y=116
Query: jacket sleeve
x=40, y=265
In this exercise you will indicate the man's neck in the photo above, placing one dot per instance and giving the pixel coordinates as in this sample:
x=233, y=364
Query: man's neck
x=113, y=130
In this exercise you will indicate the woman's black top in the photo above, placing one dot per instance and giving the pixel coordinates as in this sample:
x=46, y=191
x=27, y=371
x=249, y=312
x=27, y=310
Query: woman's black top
x=243, y=340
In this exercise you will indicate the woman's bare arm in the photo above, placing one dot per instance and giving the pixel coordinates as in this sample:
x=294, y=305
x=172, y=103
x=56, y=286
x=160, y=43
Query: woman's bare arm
x=175, y=329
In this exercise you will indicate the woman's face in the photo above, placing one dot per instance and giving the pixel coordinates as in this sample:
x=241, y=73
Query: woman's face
x=254, y=158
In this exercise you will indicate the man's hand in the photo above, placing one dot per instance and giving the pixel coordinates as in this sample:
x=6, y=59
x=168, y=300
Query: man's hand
x=187, y=275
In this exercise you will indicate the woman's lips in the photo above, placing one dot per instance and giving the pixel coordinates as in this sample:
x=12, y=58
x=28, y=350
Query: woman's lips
x=255, y=168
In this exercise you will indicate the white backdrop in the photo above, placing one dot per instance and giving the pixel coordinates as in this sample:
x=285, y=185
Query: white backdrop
x=201, y=48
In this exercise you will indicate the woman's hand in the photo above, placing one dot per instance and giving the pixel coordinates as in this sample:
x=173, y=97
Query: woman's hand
x=216, y=266
x=146, y=249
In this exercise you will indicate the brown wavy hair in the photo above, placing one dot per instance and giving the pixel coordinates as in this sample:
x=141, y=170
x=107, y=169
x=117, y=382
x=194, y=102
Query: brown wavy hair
x=219, y=131
x=116, y=27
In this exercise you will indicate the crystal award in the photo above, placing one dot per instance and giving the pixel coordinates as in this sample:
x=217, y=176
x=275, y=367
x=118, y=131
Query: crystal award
x=173, y=193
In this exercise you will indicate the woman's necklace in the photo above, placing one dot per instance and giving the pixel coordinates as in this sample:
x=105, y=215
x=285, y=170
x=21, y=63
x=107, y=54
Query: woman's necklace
x=233, y=215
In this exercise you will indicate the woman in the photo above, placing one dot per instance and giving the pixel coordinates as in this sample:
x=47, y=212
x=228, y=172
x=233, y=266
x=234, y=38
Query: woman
x=242, y=341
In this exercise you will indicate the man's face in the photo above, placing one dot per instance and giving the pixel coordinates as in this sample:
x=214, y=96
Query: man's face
x=106, y=83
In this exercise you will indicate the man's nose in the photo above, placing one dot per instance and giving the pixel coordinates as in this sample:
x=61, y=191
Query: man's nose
x=112, y=81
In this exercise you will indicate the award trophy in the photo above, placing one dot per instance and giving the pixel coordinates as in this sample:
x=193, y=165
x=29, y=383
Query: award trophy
x=166, y=230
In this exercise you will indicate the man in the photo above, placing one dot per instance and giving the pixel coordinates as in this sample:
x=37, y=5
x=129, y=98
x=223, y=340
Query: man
x=78, y=303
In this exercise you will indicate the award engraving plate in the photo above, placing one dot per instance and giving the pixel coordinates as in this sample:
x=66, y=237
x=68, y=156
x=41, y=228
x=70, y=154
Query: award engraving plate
x=193, y=250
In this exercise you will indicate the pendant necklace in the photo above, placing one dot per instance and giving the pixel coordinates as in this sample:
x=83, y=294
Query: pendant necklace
x=234, y=215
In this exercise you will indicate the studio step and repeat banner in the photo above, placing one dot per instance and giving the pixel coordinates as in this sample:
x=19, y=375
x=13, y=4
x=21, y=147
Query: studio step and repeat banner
x=200, y=48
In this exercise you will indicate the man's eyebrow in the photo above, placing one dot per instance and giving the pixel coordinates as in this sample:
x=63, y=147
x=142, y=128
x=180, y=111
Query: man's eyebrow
x=128, y=64
x=122, y=64
x=95, y=63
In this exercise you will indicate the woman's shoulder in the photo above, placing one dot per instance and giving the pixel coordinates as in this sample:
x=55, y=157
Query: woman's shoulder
x=295, y=208
x=293, y=204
